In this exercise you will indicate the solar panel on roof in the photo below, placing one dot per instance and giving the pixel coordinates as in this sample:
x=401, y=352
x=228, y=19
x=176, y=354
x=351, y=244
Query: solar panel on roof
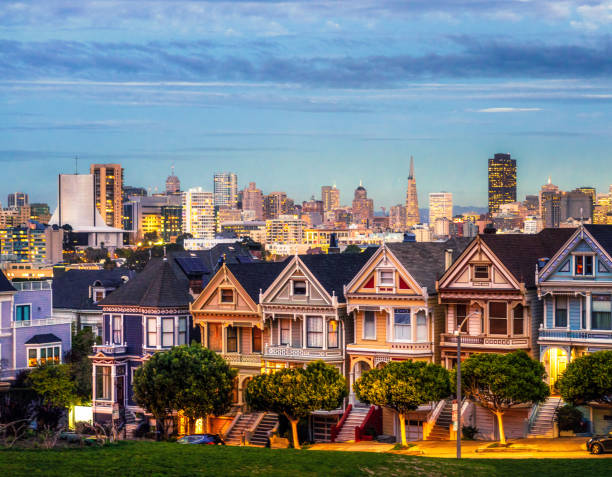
x=192, y=265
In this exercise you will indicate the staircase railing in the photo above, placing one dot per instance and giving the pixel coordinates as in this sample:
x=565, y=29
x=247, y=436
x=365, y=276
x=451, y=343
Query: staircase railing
x=373, y=420
x=432, y=418
x=232, y=424
x=335, y=428
x=248, y=433
x=531, y=418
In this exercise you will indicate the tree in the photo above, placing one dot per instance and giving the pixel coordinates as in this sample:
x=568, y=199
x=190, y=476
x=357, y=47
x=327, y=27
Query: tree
x=54, y=384
x=352, y=249
x=151, y=237
x=501, y=381
x=403, y=386
x=80, y=364
x=588, y=379
x=193, y=379
x=297, y=392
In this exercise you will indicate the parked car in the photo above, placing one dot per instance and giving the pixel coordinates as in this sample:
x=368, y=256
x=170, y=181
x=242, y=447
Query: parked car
x=600, y=444
x=206, y=439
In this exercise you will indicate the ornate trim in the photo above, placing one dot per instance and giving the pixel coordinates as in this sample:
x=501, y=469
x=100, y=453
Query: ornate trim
x=146, y=310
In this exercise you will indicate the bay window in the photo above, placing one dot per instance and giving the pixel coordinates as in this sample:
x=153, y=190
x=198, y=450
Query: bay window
x=314, y=332
x=421, y=323
x=232, y=339
x=461, y=311
x=560, y=312
x=402, y=326
x=332, y=334
x=167, y=332
x=103, y=383
x=285, y=331
x=117, y=329
x=45, y=354
x=498, y=318
x=369, y=325
x=152, y=332
x=518, y=320
x=601, y=318
x=182, y=330
x=256, y=340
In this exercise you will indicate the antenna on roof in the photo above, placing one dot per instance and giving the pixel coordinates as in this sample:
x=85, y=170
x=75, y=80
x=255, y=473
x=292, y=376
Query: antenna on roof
x=76, y=165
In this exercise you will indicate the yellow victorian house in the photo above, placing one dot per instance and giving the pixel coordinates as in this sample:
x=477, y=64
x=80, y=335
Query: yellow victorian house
x=396, y=315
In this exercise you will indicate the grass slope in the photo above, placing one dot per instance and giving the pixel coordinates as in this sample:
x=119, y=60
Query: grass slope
x=157, y=459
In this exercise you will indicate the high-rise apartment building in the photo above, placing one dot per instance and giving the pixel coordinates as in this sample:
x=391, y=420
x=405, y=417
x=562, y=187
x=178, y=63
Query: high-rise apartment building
x=546, y=191
x=363, y=208
x=173, y=184
x=440, y=206
x=330, y=196
x=276, y=204
x=502, y=181
x=253, y=200
x=226, y=189
x=108, y=184
x=17, y=199
x=412, y=200
x=199, y=213
x=287, y=229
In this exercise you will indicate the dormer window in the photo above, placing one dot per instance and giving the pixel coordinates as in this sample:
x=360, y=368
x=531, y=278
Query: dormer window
x=299, y=287
x=99, y=295
x=583, y=265
x=227, y=295
x=481, y=273
x=386, y=278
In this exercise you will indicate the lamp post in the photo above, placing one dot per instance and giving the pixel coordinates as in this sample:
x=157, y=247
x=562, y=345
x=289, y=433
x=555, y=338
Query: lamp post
x=458, y=334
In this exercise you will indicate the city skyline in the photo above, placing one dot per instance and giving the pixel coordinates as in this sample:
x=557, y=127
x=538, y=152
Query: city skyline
x=309, y=92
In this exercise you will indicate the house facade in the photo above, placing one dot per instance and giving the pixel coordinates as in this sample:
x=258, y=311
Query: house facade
x=148, y=314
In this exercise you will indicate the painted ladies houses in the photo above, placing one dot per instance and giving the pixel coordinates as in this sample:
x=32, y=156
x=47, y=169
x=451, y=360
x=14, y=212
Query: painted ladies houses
x=30, y=335
x=576, y=288
x=149, y=313
x=396, y=316
x=228, y=315
x=491, y=289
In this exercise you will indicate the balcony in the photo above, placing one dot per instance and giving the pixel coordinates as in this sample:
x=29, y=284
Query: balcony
x=32, y=285
x=575, y=336
x=306, y=354
x=238, y=359
x=484, y=341
x=111, y=349
x=395, y=348
x=40, y=322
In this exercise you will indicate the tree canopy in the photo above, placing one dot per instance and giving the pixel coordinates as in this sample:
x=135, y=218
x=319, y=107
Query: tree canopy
x=192, y=379
x=80, y=364
x=501, y=381
x=54, y=384
x=297, y=392
x=403, y=386
x=588, y=379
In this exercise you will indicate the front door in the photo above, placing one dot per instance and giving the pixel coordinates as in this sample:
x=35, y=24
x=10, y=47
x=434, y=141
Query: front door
x=120, y=391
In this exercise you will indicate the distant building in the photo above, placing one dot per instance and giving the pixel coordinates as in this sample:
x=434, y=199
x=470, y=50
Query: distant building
x=254, y=229
x=227, y=214
x=363, y=208
x=17, y=199
x=108, y=190
x=502, y=181
x=158, y=214
x=412, y=200
x=25, y=244
x=226, y=189
x=440, y=206
x=286, y=229
x=253, y=201
x=330, y=196
x=173, y=184
x=198, y=213
x=590, y=191
x=546, y=191
x=277, y=204
x=40, y=212
x=397, y=217
x=129, y=191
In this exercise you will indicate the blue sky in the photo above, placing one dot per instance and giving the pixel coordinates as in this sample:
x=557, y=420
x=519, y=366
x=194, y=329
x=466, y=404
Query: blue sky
x=294, y=95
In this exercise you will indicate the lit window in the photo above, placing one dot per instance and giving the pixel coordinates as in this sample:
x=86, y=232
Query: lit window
x=22, y=312
x=386, y=278
x=369, y=325
x=299, y=287
x=227, y=295
x=98, y=295
x=583, y=265
x=481, y=272
x=44, y=355
x=332, y=334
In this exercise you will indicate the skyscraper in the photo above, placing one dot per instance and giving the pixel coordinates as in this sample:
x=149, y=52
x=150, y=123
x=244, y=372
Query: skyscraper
x=108, y=188
x=252, y=200
x=330, y=196
x=363, y=208
x=502, y=181
x=226, y=189
x=440, y=206
x=412, y=200
x=199, y=213
x=17, y=199
x=173, y=184
x=275, y=204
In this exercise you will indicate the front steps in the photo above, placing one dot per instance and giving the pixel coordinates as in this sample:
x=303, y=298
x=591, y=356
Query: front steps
x=542, y=425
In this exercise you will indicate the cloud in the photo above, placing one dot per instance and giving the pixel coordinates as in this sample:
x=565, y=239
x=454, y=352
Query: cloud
x=507, y=110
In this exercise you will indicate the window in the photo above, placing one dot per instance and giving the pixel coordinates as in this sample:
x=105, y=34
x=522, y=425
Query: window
x=601, y=319
x=387, y=278
x=232, y=339
x=461, y=314
x=44, y=354
x=103, y=383
x=256, y=340
x=561, y=312
x=299, y=287
x=285, y=332
x=332, y=334
x=167, y=332
x=152, y=332
x=583, y=265
x=518, y=320
x=98, y=295
x=182, y=331
x=422, y=331
x=227, y=295
x=117, y=329
x=402, y=329
x=314, y=332
x=481, y=272
x=498, y=318
x=369, y=325
x=22, y=312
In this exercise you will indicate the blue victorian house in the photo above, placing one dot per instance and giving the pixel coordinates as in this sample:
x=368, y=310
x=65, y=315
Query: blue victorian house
x=147, y=314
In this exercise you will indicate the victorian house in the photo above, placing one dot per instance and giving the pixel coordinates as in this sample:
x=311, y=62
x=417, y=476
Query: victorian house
x=396, y=316
x=149, y=313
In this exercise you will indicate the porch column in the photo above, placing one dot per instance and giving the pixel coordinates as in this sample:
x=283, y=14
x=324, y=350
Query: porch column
x=93, y=385
x=325, y=343
x=304, y=334
x=113, y=384
x=588, y=310
x=223, y=338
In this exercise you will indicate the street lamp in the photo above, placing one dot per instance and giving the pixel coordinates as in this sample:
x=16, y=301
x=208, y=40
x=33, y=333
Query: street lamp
x=458, y=334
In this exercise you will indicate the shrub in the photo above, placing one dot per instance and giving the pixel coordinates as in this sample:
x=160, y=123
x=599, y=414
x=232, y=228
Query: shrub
x=469, y=432
x=569, y=419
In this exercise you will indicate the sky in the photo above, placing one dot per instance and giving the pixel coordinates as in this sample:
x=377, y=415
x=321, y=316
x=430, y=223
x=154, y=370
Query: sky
x=298, y=94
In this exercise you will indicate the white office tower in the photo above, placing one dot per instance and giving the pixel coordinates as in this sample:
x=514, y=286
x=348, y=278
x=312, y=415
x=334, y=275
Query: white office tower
x=226, y=189
x=199, y=213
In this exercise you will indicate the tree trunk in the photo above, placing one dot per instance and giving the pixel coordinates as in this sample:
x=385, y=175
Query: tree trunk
x=500, y=422
x=207, y=420
x=294, y=432
x=402, y=420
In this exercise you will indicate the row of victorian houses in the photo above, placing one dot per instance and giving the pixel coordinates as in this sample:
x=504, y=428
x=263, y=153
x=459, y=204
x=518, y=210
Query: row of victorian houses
x=548, y=294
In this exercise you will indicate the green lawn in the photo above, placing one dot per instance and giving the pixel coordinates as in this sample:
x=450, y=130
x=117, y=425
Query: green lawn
x=148, y=458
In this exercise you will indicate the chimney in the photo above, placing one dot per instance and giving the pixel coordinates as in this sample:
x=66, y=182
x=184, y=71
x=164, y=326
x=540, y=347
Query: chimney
x=333, y=244
x=490, y=229
x=448, y=258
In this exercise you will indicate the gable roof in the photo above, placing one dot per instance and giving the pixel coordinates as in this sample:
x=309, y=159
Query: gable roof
x=520, y=252
x=256, y=276
x=425, y=261
x=157, y=286
x=71, y=288
x=5, y=284
x=603, y=235
x=334, y=271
